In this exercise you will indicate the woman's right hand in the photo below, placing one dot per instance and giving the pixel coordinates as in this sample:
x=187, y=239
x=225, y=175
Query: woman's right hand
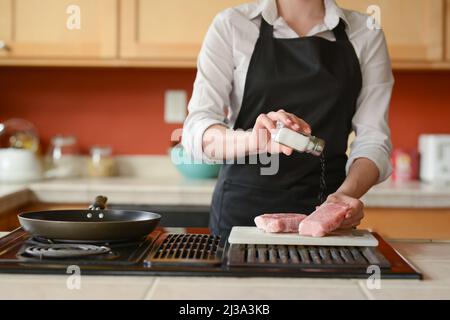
x=261, y=136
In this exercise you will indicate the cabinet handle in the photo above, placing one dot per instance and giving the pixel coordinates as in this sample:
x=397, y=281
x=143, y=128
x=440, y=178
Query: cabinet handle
x=4, y=46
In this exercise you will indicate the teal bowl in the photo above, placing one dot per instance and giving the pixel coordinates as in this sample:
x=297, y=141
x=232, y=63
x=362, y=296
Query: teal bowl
x=190, y=168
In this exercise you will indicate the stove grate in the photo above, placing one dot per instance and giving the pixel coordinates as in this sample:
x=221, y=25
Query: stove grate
x=305, y=256
x=187, y=249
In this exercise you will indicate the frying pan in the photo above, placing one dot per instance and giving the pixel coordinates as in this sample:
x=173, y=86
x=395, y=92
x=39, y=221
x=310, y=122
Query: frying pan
x=95, y=224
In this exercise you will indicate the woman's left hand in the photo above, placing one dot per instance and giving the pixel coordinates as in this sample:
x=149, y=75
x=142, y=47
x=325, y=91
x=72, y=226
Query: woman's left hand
x=355, y=213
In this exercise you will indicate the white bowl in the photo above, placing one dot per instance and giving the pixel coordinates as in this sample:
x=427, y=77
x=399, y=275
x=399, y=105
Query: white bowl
x=19, y=165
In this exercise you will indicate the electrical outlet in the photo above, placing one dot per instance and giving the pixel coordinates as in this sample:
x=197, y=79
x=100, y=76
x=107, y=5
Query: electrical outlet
x=175, y=103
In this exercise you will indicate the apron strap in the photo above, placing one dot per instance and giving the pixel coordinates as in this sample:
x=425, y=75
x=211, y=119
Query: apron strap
x=266, y=29
x=339, y=31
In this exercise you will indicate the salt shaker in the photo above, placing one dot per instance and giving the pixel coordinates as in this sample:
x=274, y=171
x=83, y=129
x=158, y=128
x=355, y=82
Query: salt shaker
x=298, y=141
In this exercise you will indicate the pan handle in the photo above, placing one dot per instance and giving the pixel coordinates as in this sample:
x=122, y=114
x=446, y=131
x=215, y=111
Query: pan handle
x=99, y=203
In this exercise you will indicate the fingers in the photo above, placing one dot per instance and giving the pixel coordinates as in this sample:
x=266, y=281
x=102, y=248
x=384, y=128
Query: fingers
x=355, y=211
x=300, y=123
x=261, y=130
x=286, y=150
x=353, y=204
x=353, y=221
x=284, y=118
x=353, y=217
x=356, y=205
x=353, y=225
x=264, y=122
x=290, y=120
x=349, y=224
x=267, y=122
x=279, y=148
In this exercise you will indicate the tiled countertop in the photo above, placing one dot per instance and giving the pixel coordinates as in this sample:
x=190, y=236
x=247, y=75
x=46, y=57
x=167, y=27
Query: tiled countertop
x=432, y=259
x=178, y=191
x=157, y=182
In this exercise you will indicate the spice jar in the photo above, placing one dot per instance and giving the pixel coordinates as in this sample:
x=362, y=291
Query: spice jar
x=101, y=163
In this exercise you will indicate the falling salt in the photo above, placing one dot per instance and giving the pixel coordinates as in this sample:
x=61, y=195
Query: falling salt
x=322, y=181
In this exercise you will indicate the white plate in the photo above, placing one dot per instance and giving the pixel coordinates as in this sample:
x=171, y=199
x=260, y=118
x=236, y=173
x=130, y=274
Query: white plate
x=253, y=235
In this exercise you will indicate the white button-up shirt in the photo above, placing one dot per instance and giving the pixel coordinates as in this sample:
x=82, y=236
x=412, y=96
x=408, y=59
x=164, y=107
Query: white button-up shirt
x=225, y=57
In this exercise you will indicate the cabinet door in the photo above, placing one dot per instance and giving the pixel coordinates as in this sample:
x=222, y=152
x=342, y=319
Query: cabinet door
x=167, y=32
x=414, y=28
x=5, y=26
x=447, y=19
x=41, y=29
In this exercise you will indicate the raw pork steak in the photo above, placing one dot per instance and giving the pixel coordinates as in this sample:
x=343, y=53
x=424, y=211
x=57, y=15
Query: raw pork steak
x=279, y=222
x=327, y=218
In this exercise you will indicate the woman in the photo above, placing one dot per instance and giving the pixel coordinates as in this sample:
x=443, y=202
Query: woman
x=316, y=68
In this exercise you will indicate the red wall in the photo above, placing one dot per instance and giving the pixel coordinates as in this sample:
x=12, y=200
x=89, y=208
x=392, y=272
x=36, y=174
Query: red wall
x=124, y=107
x=118, y=107
x=420, y=104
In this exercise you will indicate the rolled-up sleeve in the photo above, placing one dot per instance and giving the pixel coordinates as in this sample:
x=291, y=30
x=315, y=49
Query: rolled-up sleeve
x=370, y=122
x=212, y=86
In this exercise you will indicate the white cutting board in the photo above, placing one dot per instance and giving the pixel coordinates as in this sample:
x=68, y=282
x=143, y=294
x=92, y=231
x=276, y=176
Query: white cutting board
x=253, y=235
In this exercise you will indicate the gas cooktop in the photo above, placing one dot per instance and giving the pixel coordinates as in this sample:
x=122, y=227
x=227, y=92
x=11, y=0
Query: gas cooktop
x=197, y=253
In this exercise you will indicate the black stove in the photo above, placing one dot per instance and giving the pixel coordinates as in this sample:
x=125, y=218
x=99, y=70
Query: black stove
x=20, y=248
x=197, y=253
x=64, y=251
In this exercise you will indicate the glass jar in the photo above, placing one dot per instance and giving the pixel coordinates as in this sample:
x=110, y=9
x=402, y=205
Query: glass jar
x=101, y=163
x=63, y=158
x=19, y=134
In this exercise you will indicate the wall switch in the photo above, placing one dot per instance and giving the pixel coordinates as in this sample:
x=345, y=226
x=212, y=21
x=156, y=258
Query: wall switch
x=175, y=103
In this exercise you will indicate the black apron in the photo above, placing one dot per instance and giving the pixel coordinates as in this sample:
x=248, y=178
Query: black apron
x=317, y=80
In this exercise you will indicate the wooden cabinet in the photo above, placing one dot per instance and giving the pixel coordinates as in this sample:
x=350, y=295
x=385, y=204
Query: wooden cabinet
x=167, y=32
x=47, y=29
x=447, y=33
x=414, y=28
x=408, y=223
x=5, y=24
x=5, y=27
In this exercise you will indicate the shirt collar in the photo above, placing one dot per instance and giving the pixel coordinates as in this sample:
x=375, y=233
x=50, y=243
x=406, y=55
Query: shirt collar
x=269, y=11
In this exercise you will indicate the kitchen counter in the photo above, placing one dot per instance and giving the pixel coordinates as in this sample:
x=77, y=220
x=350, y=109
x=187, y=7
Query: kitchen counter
x=408, y=195
x=155, y=181
x=432, y=258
